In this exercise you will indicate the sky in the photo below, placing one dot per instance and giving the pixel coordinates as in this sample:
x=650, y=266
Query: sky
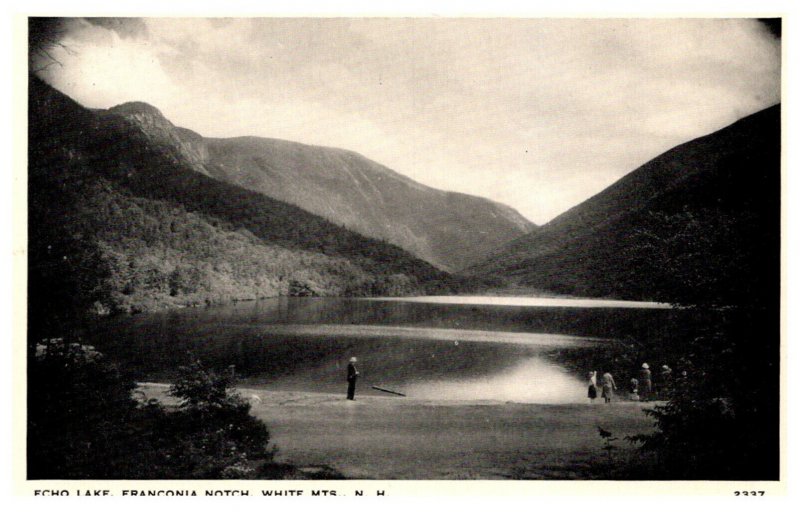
x=539, y=114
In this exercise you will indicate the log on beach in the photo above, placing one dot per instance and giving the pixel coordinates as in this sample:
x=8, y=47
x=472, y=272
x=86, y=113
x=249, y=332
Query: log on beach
x=388, y=391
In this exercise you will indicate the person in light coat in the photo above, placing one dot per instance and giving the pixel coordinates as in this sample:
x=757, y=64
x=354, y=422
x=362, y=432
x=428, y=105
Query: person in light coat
x=645, y=382
x=609, y=386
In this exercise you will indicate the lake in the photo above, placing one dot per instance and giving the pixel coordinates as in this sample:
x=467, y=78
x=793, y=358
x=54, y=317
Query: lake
x=446, y=348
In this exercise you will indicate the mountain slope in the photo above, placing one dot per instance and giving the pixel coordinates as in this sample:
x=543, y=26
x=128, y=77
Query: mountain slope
x=448, y=229
x=118, y=222
x=593, y=248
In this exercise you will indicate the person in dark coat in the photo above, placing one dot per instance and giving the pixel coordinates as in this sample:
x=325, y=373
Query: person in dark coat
x=592, y=386
x=352, y=377
x=665, y=382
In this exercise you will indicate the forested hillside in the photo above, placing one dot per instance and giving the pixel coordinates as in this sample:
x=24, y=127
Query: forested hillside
x=720, y=192
x=117, y=223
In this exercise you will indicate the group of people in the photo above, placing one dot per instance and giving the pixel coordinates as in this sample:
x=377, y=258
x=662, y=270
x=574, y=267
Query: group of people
x=641, y=389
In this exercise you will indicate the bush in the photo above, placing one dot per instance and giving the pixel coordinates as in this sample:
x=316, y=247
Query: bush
x=84, y=423
x=214, y=432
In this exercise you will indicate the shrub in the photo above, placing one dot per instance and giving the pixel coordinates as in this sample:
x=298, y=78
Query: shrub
x=84, y=423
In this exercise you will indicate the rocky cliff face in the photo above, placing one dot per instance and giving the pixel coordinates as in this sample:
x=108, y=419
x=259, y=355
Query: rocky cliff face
x=447, y=229
x=186, y=145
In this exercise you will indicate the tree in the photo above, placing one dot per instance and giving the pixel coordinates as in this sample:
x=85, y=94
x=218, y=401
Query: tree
x=82, y=418
x=721, y=418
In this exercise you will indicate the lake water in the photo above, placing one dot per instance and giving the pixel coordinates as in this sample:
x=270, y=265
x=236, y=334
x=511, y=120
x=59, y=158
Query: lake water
x=460, y=348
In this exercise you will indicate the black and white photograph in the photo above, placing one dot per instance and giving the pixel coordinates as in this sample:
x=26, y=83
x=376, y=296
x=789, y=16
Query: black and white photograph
x=403, y=249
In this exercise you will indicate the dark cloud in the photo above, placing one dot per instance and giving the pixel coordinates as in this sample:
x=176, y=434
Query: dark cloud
x=44, y=36
x=44, y=30
x=773, y=25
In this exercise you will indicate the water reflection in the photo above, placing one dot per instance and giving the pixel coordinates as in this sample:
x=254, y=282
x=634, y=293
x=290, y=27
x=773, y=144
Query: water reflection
x=424, y=333
x=532, y=380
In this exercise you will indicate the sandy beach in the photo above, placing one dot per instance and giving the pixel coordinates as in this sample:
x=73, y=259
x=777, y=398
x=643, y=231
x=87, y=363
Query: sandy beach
x=377, y=437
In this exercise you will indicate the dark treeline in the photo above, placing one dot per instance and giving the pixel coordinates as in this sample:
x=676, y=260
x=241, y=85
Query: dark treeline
x=721, y=418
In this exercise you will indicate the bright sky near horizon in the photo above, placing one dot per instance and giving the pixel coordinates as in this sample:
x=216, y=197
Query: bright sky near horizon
x=539, y=114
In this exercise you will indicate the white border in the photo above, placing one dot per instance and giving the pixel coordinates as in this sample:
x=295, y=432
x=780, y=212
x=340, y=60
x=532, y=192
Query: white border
x=15, y=189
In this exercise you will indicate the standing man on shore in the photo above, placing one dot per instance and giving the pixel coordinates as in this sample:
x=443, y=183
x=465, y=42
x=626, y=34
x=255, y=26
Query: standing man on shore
x=352, y=376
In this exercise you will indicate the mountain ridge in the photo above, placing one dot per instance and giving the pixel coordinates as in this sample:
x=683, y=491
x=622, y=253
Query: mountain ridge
x=449, y=229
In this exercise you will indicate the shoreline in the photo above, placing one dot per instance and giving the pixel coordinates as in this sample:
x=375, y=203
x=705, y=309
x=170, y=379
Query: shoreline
x=526, y=301
x=502, y=297
x=386, y=437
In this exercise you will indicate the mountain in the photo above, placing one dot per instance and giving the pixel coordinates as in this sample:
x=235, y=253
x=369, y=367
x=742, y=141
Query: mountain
x=119, y=222
x=728, y=180
x=447, y=229
x=186, y=145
